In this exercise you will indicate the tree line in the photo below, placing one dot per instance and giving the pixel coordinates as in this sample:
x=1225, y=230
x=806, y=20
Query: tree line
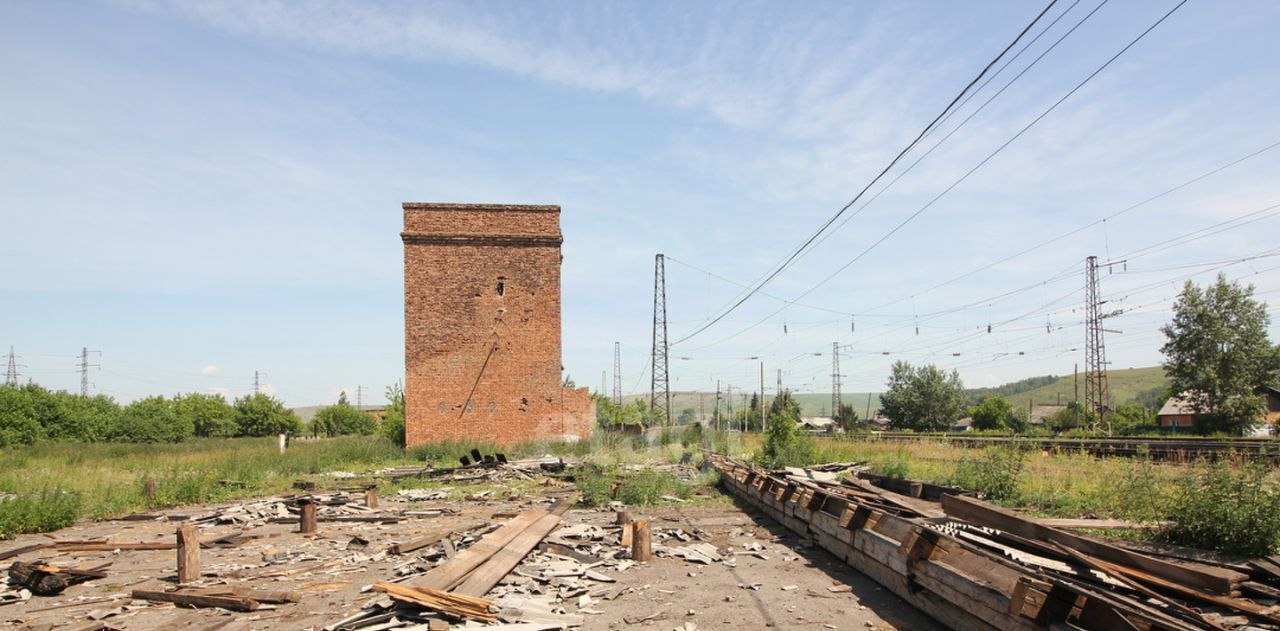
x=31, y=414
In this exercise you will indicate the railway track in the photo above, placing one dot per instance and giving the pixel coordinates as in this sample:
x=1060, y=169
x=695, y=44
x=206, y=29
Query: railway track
x=1163, y=448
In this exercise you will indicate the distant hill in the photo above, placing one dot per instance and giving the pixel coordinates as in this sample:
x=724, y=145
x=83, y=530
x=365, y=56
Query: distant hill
x=1125, y=386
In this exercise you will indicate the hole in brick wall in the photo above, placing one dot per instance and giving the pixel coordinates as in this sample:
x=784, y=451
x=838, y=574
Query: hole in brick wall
x=502, y=286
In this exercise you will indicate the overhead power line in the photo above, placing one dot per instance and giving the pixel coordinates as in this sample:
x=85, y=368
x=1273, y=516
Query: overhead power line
x=795, y=253
x=961, y=179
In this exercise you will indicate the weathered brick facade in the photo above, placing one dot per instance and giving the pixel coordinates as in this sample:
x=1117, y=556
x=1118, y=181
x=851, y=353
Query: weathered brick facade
x=482, y=326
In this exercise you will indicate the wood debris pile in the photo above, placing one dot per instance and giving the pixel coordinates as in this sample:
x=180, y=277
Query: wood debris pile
x=973, y=565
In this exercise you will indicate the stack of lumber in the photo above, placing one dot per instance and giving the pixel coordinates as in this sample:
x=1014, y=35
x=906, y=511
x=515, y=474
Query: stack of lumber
x=972, y=565
x=456, y=588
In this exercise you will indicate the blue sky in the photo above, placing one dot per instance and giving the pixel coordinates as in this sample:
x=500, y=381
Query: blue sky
x=202, y=190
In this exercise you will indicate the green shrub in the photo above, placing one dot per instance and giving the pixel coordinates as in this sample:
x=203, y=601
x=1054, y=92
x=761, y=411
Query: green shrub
x=1225, y=508
x=994, y=474
x=692, y=436
x=638, y=489
x=343, y=418
x=38, y=512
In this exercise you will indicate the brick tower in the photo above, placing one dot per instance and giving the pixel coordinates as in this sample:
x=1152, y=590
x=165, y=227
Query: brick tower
x=482, y=326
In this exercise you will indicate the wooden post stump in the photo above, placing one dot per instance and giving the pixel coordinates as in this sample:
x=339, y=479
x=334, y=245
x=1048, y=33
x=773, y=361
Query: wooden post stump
x=149, y=488
x=371, y=497
x=624, y=517
x=188, y=553
x=641, y=548
x=307, y=520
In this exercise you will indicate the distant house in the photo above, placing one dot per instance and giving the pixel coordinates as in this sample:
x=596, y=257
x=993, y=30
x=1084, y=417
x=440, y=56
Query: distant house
x=1180, y=410
x=818, y=424
x=963, y=425
x=1040, y=413
x=1272, y=394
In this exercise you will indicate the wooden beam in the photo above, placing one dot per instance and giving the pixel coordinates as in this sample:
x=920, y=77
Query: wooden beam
x=232, y=603
x=641, y=543
x=188, y=553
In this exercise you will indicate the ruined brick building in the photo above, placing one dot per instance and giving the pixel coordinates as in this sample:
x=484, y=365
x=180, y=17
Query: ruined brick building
x=482, y=326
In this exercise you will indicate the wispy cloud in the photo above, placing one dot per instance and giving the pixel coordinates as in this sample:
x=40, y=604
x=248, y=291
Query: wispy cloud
x=210, y=370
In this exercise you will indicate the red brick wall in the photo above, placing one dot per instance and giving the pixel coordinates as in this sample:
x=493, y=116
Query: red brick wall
x=480, y=365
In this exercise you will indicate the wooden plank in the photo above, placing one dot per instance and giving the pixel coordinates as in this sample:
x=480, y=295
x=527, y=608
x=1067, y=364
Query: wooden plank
x=1216, y=580
x=457, y=568
x=486, y=576
x=9, y=554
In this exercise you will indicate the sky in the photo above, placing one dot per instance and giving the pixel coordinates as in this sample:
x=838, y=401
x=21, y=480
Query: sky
x=200, y=191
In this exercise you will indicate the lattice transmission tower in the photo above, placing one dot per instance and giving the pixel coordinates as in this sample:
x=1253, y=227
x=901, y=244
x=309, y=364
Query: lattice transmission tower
x=11, y=373
x=1095, y=353
x=660, y=385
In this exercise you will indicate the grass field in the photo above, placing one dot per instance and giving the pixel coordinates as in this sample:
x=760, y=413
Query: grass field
x=48, y=487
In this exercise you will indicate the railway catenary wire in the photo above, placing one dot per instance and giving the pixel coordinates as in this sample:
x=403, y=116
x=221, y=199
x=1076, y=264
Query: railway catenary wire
x=954, y=184
x=791, y=258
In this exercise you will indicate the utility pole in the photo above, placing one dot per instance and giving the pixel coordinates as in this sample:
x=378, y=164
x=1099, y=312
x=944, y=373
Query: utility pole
x=11, y=374
x=764, y=410
x=617, y=374
x=728, y=396
x=716, y=419
x=701, y=411
x=1075, y=377
x=660, y=399
x=835, y=379
x=257, y=381
x=359, y=397
x=1095, y=360
x=84, y=369
x=868, y=407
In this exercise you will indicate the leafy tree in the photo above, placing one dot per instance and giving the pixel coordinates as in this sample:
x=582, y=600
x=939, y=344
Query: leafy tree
x=392, y=427
x=846, y=417
x=1153, y=398
x=151, y=420
x=924, y=399
x=18, y=423
x=209, y=414
x=1132, y=415
x=1217, y=352
x=993, y=413
x=687, y=416
x=336, y=420
x=262, y=415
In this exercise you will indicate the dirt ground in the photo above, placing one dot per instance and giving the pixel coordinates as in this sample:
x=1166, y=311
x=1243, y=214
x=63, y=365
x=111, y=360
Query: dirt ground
x=782, y=584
